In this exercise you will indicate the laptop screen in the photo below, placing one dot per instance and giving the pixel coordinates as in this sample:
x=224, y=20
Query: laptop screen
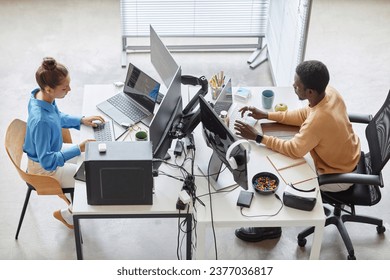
x=141, y=87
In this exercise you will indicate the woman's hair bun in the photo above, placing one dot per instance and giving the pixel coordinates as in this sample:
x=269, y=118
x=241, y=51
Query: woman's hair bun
x=49, y=63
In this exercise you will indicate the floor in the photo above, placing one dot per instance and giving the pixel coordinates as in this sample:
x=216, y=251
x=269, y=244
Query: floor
x=350, y=37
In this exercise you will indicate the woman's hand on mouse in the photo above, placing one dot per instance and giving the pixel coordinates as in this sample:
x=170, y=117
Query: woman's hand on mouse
x=92, y=120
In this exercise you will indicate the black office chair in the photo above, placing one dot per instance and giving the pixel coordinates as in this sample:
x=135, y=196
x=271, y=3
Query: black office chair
x=367, y=180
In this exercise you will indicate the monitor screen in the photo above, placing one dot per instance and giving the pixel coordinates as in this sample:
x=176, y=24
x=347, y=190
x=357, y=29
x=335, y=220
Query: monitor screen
x=141, y=87
x=219, y=138
x=167, y=116
x=161, y=58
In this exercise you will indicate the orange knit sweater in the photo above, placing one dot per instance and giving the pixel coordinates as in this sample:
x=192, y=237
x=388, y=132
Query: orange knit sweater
x=325, y=132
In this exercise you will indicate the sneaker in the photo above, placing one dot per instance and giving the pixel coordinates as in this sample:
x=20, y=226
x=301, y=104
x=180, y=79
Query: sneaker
x=256, y=234
x=57, y=214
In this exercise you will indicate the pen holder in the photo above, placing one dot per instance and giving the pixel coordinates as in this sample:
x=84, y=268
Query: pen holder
x=215, y=91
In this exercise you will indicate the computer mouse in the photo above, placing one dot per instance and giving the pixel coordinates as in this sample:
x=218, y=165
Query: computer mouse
x=119, y=84
x=97, y=123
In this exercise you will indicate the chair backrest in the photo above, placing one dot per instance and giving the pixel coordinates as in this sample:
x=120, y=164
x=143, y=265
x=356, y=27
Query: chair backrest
x=378, y=137
x=14, y=139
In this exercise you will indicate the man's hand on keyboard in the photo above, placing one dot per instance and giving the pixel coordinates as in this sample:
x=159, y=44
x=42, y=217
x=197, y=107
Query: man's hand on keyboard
x=92, y=120
x=253, y=112
x=245, y=130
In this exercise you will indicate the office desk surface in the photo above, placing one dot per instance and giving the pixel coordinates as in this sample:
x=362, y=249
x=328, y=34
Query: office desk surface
x=225, y=211
x=264, y=208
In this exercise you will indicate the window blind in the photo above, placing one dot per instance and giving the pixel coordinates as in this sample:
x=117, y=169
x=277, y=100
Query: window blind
x=195, y=18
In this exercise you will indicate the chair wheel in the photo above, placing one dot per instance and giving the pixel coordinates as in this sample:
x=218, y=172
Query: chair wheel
x=351, y=257
x=302, y=242
x=380, y=229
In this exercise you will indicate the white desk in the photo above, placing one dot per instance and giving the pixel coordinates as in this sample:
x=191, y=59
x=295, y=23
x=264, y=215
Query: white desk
x=165, y=194
x=226, y=213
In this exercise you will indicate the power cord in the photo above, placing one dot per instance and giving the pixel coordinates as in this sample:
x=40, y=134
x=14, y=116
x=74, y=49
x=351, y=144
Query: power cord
x=264, y=215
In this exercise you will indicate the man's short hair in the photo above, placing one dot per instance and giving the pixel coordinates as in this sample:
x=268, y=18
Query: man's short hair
x=313, y=75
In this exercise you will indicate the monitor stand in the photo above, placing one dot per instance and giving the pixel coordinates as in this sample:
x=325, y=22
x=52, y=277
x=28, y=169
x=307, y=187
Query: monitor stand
x=218, y=180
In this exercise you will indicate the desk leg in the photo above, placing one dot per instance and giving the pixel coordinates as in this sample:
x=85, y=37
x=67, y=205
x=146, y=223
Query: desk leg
x=189, y=237
x=201, y=241
x=317, y=241
x=77, y=236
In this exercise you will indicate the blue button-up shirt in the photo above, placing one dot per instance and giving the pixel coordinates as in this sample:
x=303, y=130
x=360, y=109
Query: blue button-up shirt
x=43, y=140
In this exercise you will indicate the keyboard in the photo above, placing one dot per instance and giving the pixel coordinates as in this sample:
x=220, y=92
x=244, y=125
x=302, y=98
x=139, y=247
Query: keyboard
x=127, y=107
x=103, y=132
x=236, y=115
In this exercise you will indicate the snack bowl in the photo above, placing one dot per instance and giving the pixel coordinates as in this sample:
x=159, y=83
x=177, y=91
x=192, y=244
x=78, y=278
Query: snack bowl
x=265, y=183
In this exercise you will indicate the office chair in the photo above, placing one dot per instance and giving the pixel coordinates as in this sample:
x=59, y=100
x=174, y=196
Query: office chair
x=42, y=184
x=366, y=179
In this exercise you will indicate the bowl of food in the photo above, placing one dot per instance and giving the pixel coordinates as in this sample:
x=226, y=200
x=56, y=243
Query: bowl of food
x=265, y=183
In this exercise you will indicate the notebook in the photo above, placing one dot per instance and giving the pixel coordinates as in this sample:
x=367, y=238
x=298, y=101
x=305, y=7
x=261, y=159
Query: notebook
x=291, y=170
x=137, y=101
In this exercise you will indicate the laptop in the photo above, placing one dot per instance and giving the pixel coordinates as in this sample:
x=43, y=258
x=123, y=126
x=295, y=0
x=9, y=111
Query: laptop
x=137, y=101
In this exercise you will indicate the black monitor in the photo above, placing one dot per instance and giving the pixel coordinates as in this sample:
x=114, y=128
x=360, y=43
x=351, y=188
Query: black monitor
x=219, y=138
x=165, y=120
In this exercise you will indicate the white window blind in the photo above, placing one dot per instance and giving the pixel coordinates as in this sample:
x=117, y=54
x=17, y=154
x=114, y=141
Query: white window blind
x=195, y=18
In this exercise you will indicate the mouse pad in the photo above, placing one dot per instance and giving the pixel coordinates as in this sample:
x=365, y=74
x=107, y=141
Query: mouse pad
x=279, y=130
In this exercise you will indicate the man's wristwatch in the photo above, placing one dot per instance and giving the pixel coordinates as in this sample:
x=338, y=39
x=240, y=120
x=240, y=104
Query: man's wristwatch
x=259, y=138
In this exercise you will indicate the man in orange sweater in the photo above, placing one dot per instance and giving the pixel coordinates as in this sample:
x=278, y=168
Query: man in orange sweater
x=325, y=131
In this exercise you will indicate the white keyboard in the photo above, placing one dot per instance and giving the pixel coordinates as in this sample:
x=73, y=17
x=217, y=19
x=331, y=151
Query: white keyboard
x=236, y=115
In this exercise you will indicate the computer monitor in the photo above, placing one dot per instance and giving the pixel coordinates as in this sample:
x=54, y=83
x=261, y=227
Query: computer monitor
x=161, y=58
x=163, y=122
x=219, y=138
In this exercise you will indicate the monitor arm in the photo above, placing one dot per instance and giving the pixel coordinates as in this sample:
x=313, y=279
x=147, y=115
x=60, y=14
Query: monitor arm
x=190, y=118
x=191, y=80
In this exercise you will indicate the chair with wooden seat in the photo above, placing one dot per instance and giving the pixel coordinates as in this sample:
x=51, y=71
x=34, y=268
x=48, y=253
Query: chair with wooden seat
x=42, y=184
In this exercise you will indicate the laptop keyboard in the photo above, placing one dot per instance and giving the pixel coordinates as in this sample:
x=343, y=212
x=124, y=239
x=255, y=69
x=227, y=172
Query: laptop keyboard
x=103, y=132
x=127, y=108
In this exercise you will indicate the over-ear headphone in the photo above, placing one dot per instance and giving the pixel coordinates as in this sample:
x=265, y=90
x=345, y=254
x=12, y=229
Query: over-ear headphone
x=231, y=160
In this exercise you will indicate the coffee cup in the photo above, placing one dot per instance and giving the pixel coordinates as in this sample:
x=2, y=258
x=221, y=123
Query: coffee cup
x=267, y=98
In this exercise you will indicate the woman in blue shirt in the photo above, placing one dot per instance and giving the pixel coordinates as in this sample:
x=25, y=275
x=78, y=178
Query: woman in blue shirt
x=43, y=142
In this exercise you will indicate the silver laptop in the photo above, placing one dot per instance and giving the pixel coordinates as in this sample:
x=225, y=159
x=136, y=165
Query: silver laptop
x=137, y=101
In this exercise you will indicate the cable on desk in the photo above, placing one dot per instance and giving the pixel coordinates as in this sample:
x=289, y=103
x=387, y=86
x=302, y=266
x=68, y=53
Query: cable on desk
x=262, y=215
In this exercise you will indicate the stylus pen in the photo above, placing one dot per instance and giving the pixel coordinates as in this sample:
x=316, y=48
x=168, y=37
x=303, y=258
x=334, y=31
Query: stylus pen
x=127, y=129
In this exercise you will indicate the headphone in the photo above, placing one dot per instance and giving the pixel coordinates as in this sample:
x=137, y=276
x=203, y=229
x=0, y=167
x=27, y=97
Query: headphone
x=231, y=160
